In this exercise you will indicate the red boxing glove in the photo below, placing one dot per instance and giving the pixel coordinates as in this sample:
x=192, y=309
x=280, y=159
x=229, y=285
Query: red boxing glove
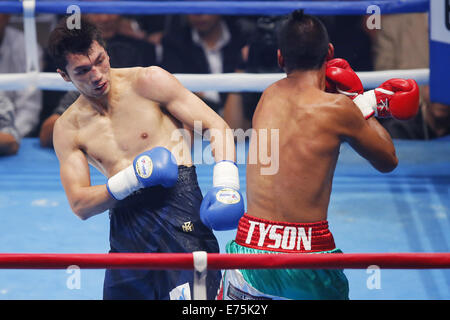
x=340, y=78
x=397, y=98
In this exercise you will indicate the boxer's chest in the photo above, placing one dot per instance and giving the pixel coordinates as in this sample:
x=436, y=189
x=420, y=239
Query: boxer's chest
x=111, y=141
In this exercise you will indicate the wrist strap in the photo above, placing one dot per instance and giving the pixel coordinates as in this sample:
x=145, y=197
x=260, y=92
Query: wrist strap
x=123, y=183
x=226, y=174
x=367, y=103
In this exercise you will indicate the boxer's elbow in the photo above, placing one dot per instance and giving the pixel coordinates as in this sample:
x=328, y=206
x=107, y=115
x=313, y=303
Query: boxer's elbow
x=80, y=212
x=86, y=204
x=79, y=208
x=389, y=163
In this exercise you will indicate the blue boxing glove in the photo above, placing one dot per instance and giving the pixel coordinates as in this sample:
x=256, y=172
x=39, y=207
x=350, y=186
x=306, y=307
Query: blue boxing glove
x=157, y=166
x=223, y=205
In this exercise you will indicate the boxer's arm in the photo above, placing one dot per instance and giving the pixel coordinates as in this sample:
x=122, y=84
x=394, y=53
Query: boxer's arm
x=367, y=137
x=159, y=85
x=84, y=199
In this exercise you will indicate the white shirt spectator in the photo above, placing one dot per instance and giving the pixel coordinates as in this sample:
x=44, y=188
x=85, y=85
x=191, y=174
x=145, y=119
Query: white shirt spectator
x=27, y=103
x=7, y=117
x=213, y=55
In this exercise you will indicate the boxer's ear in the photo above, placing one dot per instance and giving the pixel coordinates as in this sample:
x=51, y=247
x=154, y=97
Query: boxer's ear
x=63, y=75
x=330, y=54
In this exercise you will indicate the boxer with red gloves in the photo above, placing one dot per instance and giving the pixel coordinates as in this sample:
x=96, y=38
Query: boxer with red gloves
x=397, y=98
x=287, y=211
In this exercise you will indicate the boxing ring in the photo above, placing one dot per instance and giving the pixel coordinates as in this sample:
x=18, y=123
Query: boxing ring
x=397, y=222
x=406, y=211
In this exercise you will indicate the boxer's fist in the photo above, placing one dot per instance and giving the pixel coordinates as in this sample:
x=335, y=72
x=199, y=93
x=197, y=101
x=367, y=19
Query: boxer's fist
x=222, y=208
x=223, y=205
x=156, y=167
x=340, y=78
x=397, y=98
x=150, y=168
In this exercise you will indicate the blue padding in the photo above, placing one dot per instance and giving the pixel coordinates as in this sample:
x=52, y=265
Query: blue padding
x=439, y=72
x=407, y=210
x=222, y=7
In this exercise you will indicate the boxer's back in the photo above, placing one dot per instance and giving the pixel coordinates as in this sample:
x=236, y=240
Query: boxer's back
x=308, y=145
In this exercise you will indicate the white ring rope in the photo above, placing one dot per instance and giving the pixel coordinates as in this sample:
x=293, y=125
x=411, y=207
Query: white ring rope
x=225, y=82
x=231, y=82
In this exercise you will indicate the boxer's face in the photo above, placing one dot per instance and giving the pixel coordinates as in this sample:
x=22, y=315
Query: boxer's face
x=90, y=73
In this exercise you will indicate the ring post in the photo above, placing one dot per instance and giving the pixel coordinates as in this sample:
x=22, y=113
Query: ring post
x=439, y=51
x=200, y=271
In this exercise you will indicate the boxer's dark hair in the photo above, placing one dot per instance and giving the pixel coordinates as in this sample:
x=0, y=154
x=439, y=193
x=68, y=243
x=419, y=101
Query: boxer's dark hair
x=303, y=42
x=64, y=40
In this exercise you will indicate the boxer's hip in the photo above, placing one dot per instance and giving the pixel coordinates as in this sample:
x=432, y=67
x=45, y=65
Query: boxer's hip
x=284, y=236
x=261, y=236
x=161, y=219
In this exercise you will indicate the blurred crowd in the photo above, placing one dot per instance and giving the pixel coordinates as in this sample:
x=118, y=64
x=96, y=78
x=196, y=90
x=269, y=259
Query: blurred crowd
x=202, y=44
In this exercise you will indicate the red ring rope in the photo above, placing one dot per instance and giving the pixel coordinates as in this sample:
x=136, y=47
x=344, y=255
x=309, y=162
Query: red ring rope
x=226, y=261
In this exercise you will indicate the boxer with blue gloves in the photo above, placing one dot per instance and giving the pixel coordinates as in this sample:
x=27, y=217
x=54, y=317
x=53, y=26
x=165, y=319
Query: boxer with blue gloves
x=129, y=124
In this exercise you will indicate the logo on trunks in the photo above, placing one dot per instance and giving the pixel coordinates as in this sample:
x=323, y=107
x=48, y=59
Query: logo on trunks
x=228, y=196
x=236, y=294
x=188, y=226
x=144, y=166
x=284, y=237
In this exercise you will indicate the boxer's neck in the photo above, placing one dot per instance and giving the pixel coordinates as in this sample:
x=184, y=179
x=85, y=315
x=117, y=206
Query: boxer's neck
x=101, y=105
x=309, y=78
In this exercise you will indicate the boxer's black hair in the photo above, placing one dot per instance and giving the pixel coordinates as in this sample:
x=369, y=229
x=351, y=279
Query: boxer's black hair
x=303, y=42
x=68, y=38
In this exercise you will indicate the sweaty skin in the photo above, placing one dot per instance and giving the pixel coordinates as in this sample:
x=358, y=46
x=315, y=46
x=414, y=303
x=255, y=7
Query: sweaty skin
x=119, y=114
x=312, y=124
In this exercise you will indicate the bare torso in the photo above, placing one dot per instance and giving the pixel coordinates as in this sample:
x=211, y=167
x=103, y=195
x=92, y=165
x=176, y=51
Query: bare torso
x=308, y=151
x=131, y=125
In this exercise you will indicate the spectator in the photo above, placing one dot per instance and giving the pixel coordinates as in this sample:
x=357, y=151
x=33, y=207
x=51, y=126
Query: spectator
x=239, y=107
x=351, y=40
x=432, y=121
x=124, y=51
x=46, y=132
x=206, y=44
x=27, y=103
x=402, y=42
x=9, y=135
x=261, y=58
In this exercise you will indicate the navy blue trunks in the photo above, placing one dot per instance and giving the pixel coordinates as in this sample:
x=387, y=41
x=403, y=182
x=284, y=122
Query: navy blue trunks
x=165, y=220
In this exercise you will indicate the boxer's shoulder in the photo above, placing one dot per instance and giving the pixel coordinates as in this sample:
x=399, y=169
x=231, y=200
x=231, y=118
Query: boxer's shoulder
x=157, y=84
x=152, y=74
